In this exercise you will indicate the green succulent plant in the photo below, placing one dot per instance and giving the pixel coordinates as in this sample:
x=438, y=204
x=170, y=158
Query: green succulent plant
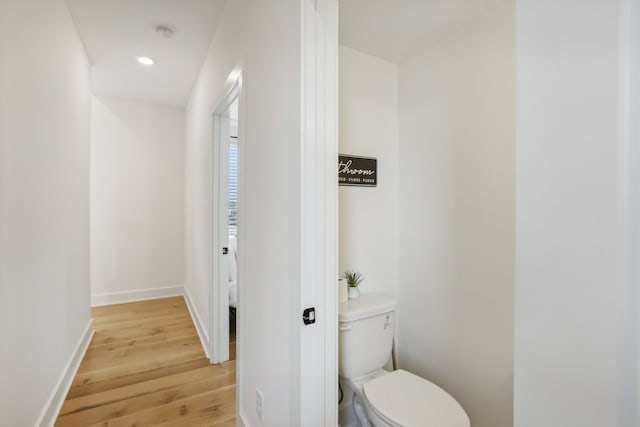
x=353, y=278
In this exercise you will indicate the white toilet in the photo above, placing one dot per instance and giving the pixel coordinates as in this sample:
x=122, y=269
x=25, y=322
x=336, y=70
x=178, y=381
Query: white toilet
x=384, y=398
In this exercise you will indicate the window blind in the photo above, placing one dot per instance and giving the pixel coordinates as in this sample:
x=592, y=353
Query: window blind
x=233, y=187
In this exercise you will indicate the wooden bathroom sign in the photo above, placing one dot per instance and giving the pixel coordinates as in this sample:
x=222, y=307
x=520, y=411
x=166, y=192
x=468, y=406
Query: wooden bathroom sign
x=358, y=171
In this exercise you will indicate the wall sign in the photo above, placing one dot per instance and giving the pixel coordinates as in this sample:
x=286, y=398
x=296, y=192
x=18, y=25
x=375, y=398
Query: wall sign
x=359, y=171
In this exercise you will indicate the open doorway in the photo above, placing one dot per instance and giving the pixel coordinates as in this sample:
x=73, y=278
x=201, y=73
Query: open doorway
x=226, y=188
x=232, y=217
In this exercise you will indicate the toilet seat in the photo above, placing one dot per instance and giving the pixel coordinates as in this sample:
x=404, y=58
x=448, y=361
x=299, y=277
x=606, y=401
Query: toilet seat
x=403, y=399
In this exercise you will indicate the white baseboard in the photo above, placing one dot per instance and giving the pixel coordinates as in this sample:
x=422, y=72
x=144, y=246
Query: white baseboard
x=98, y=300
x=200, y=327
x=242, y=421
x=54, y=404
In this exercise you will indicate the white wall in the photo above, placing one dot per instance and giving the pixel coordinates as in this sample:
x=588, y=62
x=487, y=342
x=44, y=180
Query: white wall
x=567, y=352
x=265, y=38
x=368, y=105
x=226, y=52
x=137, y=200
x=456, y=215
x=44, y=203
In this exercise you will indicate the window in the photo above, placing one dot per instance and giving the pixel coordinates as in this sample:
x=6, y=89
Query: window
x=233, y=186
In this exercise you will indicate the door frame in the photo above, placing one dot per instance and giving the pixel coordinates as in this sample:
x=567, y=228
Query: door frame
x=317, y=373
x=219, y=290
x=628, y=233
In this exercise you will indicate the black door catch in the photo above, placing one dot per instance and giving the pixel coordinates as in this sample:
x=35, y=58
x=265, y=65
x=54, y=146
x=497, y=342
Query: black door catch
x=309, y=315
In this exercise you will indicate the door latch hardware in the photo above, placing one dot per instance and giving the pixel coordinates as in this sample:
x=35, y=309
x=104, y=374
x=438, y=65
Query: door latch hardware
x=309, y=315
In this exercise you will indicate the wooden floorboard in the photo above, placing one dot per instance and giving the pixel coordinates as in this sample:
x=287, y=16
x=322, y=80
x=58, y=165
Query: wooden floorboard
x=145, y=366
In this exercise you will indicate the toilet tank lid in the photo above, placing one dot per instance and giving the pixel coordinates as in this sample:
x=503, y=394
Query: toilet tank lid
x=368, y=305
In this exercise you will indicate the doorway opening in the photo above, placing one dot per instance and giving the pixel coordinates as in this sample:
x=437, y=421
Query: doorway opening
x=226, y=189
x=232, y=216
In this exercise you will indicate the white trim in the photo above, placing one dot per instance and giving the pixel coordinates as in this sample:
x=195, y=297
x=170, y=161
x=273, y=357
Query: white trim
x=240, y=264
x=54, y=404
x=98, y=300
x=200, y=327
x=628, y=233
x=317, y=367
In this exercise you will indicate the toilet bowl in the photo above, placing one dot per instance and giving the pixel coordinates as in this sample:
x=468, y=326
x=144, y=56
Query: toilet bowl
x=400, y=398
x=387, y=398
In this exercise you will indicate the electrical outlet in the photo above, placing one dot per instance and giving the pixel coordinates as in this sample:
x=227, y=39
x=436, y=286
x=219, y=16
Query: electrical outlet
x=259, y=403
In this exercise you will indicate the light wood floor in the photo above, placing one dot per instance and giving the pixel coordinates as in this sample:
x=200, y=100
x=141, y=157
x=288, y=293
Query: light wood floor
x=146, y=367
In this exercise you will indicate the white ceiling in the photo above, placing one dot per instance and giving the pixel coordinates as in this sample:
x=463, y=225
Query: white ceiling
x=398, y=29
x=115, y=32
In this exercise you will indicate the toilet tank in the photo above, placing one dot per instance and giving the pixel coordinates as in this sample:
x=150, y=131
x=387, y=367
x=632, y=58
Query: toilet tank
x=366, y=328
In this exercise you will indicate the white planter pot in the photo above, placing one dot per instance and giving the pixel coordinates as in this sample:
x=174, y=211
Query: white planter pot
x=354, y=293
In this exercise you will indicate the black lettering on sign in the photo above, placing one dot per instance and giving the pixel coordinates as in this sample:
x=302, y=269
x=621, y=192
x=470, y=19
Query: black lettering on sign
x=359, y=171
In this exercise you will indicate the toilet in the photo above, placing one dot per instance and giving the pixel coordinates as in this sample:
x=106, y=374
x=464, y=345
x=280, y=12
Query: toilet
x=387, y=398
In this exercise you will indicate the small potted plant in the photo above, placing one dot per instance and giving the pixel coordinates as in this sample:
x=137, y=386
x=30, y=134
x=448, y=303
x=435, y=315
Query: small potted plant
x=353, y=280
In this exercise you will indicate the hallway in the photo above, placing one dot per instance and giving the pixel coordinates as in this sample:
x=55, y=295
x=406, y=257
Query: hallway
x=146, y=366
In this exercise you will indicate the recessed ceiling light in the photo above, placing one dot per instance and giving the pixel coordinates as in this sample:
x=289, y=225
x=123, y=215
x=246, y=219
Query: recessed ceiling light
x=144, y=60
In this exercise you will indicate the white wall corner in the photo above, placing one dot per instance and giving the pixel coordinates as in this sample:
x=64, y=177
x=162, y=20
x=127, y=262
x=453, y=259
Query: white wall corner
x=54, y=404
x=200, y=325
x=98, y=300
